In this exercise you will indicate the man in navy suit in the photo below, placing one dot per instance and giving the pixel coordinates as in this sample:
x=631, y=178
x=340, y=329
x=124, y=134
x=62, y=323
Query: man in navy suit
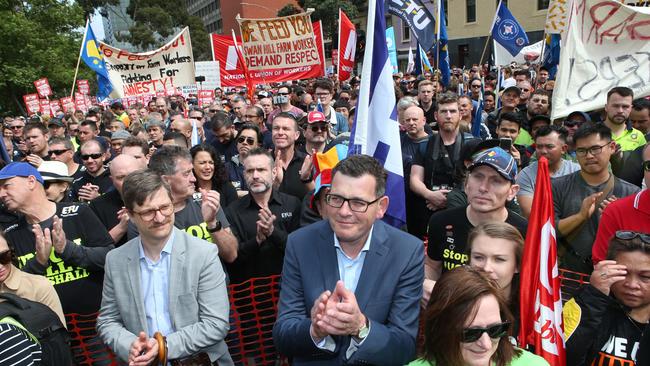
x=351, y=284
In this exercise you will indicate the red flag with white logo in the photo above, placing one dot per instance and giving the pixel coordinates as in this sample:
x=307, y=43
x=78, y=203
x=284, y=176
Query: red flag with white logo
x=540, y=299
x=347, y=46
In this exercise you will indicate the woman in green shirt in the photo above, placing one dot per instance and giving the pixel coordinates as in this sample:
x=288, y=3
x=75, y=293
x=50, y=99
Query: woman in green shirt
x=467, y=323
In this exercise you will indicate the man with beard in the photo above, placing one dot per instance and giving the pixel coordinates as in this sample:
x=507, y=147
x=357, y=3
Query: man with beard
x=432, y=174
x=36, y=139
x=617, y=109
x=261, y=220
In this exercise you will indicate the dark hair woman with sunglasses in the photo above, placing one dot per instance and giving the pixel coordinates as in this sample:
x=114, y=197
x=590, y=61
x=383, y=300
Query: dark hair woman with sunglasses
x=606, y=323
x=211, y=174
x=467, y=323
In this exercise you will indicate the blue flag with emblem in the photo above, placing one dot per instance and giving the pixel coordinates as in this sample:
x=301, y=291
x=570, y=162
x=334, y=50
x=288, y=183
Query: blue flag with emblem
x=507, y=31
x=92, y=56
x=551, y=57
x=376, y=131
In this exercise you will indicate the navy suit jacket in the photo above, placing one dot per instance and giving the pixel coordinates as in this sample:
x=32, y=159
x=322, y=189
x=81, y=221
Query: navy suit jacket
x=388, y=294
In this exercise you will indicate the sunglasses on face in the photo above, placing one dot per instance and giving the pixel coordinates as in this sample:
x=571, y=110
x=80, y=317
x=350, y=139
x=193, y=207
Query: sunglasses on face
x=572, y=123
x=629, y=235
x=495, y=331
x=318, y=128
x=248, y=140
x=58, y=152
x=5, y=257
x=91, y=156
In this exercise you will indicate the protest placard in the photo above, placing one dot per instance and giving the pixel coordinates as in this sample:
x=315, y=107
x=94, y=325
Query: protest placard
x=205, y=97
x=83, y=86
x=32, y=103
x=45, y=107
x=55, y=106
x=67, y=104
x=232, y=74
x=606, y=46
x=164, y=69
x=43, y=87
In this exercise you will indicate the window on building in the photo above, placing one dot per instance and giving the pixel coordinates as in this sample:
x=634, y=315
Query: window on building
x=542, y=4
x=406, y=31
x=446, y=3
x=470, y=10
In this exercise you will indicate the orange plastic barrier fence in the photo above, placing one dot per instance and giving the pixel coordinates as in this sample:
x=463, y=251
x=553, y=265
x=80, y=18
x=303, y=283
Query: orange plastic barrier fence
x=253, y=309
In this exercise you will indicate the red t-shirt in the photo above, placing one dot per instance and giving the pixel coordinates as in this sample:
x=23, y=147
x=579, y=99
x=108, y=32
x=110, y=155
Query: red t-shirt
x=629, y=213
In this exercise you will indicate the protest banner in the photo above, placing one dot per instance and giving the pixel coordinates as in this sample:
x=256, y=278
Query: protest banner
x=205, y=97
x=83, y=86
x=210, y=71
x=231, y=72
x=55, y=106
x=607, y=46
x=45, y=107
x=80, y=102
x=43, y=87
x=67, y=104
x=32, y=103
x=529, y=53
x=166, y=68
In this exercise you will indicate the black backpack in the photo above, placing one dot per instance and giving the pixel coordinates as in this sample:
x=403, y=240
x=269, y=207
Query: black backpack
x=43, y=323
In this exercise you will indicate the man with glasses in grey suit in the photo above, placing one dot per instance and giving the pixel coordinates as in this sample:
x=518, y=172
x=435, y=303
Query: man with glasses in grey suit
x=163, y=281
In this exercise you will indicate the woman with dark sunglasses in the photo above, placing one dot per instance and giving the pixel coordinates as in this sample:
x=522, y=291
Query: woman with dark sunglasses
x=467, y=322
x=606, y=323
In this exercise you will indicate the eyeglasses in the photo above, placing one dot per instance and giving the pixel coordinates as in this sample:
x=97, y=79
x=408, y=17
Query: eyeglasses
x=149, y=215
x=495, y=331
x=16, y=127
x=572, y=123
x=322, y=95
x=319, y=128
x=91, y=156
x=282, y=93
x=629, y=235
x=356, y=204
x=476, y=86
x=248, y=140
x=646, y=165
x=594, y=150
x=213, y=110
x=524, y=90
x=58, y=152
x=76, y=130
x=251, y=116
x=5, y=257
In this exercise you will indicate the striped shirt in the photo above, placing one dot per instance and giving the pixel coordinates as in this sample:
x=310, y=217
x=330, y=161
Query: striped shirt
x=17, y=347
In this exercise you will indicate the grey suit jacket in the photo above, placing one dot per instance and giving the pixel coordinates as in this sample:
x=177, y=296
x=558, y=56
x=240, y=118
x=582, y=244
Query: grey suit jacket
x=198, y=301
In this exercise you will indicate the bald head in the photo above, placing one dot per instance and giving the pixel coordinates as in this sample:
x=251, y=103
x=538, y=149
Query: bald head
x=122, y=166
x=182, y=126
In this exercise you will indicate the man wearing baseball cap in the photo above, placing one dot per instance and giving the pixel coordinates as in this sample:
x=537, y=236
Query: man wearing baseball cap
x=490, y=184
x=509, y=102
x=317, y=132
x=64, y=241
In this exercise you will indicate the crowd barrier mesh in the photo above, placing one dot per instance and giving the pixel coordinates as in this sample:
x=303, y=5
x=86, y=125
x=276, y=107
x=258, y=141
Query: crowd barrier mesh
x=253, y=310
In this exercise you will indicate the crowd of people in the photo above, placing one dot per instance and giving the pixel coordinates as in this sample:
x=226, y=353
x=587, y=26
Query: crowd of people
x=145, y=213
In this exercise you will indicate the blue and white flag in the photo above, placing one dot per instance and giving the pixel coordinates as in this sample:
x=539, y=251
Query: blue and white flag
x=507, y=31
x=551, y=56
x=478, y=116
x=392, y=51
x=92, y=56
x=441, y=45
x=426, y=65
x=376, y=131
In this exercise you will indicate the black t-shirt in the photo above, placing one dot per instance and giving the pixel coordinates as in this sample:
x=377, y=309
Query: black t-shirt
x=448, y=231
x=190, y=220
x=78, y=273
x=106, y=207
x=259, y=260
x=103, y=181
x=291, y=183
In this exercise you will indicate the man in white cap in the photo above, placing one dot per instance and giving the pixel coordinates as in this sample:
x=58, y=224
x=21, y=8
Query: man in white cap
x=56, y=180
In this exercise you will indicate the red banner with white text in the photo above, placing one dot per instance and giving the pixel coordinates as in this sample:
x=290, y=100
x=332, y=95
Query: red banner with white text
x=347, y=46
x=232, y=73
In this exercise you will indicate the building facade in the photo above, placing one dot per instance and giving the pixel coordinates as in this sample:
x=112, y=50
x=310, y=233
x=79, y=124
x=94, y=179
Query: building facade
x=468, y=25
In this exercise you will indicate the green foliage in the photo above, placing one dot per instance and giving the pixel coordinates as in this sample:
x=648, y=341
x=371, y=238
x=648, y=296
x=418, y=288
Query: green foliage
x=328, y=12
x=156, y=20
x=289, y=9
x=39, y=39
